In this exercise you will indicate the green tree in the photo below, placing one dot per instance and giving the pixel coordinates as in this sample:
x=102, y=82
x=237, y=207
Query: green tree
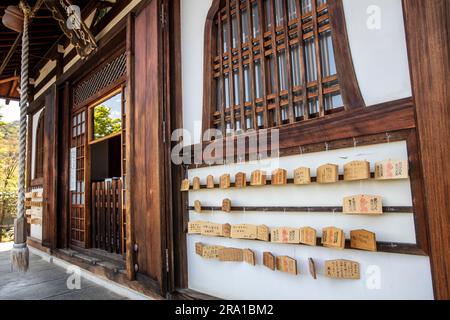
x=104, y=124
x=9, y=161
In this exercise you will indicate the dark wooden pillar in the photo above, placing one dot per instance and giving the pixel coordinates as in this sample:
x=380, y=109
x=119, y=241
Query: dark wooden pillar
x=427, y=30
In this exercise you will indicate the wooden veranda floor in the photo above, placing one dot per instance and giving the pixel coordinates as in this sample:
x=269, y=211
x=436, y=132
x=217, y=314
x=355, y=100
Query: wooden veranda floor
x=45, y=281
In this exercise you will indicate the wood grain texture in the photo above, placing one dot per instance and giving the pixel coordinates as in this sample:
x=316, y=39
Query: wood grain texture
x=427, y=31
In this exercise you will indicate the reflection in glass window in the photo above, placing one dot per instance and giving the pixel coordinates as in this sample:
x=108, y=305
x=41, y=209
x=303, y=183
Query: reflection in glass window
x=107, y=117
x=255, y=20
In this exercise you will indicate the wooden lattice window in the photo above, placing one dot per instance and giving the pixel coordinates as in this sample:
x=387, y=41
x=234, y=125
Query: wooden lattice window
x=39, y=160
x=269, y=63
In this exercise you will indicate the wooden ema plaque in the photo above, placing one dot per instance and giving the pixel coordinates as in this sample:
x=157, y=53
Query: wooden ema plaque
x=244, y=231
x=312, y=268
x=240, y=180
x=285, y=235
x=287, y=264
x=185, y=185
x=210, y=229
x=225, y=181
x=333, y=238
x=302, y=176
x=249, y=257
x=263, y=233
x=231, y=255
x=207, y=252
x=342, y=269
x=279, y=177
x=210, y=182
x=363, y=204
x=269, y=261
x=391, y=170
x=196, y=184
x=328, y=173
x=226, y=205
x=198, y=206
x=363, y=240
x=195, y=227
x=308, y=236
x=357, y=170
x=258, y=178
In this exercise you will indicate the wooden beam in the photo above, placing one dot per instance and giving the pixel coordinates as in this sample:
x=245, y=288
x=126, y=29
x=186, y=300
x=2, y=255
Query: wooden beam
x=10, y=53
x=9, y=79
x=427, y=30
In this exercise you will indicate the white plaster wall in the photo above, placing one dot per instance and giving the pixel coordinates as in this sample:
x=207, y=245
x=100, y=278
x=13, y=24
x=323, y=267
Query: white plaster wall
x=401, y=276
x=379, y=56
x=33, y=141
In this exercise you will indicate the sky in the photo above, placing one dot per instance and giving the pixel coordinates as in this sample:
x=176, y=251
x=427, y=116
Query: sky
x=11, y=112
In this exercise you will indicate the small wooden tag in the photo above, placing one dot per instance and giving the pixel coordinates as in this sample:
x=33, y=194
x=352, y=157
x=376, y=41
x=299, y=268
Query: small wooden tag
x=185, y=185
x=215, y=229
x=199, y=249
x=269, y=260
x=225, y=181
x=392, y=169
x=333, y=238
x=244, y=231
x=195, y=227
x=302, y=176
x=363, y=204
x=231, y=255
x=207, y=252
x=240, y=180
x=285, y=235
x=210, y=182
x=308, y=236
x=196, y=184
x=328, y=173
x=287, y=264
x=198, y=206
x=342, y=269
x=279, y=177
x=363, y=240
x=357, y=170
x=36, y=221
x=263, y=233
x=249, y=257
x=312, y=268
x=258, y=178
x=226, y=205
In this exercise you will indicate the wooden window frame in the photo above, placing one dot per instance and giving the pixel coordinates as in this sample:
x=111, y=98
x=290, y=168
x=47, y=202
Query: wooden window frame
x=38, y=173
x=214, y=65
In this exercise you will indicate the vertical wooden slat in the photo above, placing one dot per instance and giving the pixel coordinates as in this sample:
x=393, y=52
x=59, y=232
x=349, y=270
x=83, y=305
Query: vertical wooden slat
x=318, y=58
x=121, y=249
x=276, y=70
x=252, y=63
x=102, y=217
x=241, y=65
x=301, y=45
x=262, y=26
x=222, y=75
x=290, y=85
x=230, y=64
x=114, y=213
x=94, y=216
x=108, y=215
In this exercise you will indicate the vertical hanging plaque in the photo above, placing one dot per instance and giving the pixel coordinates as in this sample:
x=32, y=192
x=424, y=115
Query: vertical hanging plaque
x=196, y=183
x=240, y=180
x=363, y=204
x=258, y=178
x=302, y=176
x=391, y=169
x=249, y=257
x=357, y=170
x=287, y=264
x=225, y=181
x=198, y=206
x=210, y=182
x=308, y=236
x=269, y=261
x=231, y=255
x=328, y=173
x=279, y=177
x=363, y=240
x=285, y=235
x=226, y=205
x=185, y=185
x=342, y=269
x=333, y=238
x=312, y=268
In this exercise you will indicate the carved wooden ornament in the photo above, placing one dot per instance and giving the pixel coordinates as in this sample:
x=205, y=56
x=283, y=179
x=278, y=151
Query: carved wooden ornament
x=258, y=178
x=185, y=185
x=363, y=240
x=226, y=205
x=357, y=170
x=302, y=176
x=333, y=238
x=279, y=177
x=312, y=268
x=240, y=180
x=225, y=182
x=210, y=229
x=231, y=255
x=342, y=269
x=308, y=236
x=391, y=169
x=363, y=204
x=198, y=206
x=249, y=257
x=285, y=235
x=196, y=184
x=269, y=261
x=287, y=264
x=328, y=173
x=210, y=182
x=195, y=227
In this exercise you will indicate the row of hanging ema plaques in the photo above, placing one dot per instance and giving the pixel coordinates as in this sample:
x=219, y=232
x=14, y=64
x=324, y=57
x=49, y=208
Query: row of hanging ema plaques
x=331, y=237
x=326, y=174
x=335, y=269
x=353, y=205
